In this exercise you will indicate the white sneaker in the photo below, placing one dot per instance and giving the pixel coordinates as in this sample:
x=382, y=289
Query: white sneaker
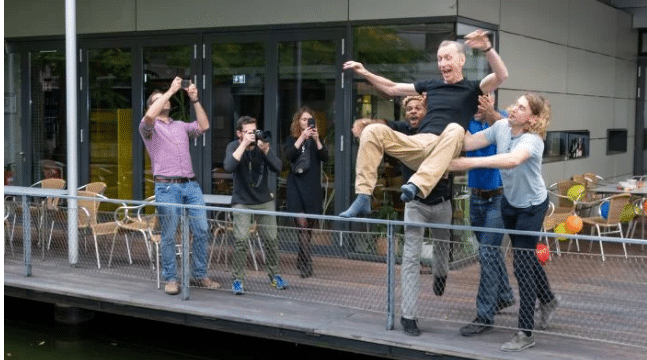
x=546, y=313
x=520, y=341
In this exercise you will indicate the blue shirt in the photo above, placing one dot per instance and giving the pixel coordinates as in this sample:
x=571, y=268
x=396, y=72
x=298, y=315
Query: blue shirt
x=482, y=178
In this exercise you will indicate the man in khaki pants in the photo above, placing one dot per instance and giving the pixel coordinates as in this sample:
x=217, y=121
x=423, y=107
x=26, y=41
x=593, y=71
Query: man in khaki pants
x=451, y=103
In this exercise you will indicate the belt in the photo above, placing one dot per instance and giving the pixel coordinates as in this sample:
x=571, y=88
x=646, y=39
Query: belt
x=174, y=180
x=486, y=194
x=437, y=201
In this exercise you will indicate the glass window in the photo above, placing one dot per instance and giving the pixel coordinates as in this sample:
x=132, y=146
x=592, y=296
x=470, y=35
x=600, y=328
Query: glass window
x=111, y=134
x=48, y=125
x=12, y=130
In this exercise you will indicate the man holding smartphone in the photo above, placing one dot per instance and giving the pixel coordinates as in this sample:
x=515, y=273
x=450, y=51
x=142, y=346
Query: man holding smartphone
x=167, y=143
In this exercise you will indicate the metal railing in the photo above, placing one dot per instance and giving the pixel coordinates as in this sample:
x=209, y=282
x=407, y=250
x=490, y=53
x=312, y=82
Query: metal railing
x=355, y=263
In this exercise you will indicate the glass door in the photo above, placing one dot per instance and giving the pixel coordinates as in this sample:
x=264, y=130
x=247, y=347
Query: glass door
x=307, y=76
x=110, y=117
x=48, y=115
x=237, y=88
x=161, y=64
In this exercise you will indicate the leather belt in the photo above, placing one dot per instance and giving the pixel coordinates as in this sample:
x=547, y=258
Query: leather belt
x=437, y=201
x=486, y=194
x=179, y=180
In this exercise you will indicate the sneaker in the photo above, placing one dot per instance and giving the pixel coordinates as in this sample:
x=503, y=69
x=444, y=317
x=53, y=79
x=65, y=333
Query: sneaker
x=476, y=327
x=172, y=288
x=439, y=285
x=278, y=282
x=205, y=283
x=546, y=312
x=237, y=287
x=520, y=341
x=410, y=326
x=502, y=304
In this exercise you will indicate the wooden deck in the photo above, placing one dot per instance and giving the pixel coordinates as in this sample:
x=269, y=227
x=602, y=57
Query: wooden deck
x=343, y=306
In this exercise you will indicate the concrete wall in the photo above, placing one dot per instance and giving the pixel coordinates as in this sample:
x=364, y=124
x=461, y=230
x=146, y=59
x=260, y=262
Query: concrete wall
x=581, y=54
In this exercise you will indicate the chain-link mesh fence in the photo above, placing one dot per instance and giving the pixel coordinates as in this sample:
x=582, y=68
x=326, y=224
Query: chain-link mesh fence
x=344, y=262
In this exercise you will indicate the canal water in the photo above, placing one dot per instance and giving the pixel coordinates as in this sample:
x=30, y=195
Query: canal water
x=32, y=333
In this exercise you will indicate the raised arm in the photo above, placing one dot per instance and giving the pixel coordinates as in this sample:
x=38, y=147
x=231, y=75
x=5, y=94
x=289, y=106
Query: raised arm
x=478, y=40
x=381, y=83
x=200, y=114
x=158, y=105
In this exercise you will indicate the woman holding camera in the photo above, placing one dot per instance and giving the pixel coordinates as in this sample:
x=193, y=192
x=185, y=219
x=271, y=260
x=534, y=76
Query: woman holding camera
x=305, y=152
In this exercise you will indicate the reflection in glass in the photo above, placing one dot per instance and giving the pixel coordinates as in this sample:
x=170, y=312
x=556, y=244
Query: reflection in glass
x=111, y=134
x=161, y=65
x=238, y=89
x=48, y=126
x=13, y=165
x=307, y=78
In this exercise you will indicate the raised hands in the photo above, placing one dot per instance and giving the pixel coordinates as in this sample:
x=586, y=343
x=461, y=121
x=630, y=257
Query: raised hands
x=478, y=39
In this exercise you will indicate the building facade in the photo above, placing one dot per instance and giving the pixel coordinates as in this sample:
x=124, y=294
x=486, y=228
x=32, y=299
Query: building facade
x=267, y=58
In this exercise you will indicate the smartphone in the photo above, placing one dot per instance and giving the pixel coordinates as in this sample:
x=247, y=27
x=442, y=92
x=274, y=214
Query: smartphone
x=312, y=123
x=186, y=83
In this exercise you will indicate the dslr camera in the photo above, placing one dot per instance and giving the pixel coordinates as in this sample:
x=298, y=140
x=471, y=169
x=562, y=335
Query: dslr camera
x=262, y=135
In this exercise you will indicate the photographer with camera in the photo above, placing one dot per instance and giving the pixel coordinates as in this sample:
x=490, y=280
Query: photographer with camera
x=250, y=159
x=305, y=151
x=167, y=142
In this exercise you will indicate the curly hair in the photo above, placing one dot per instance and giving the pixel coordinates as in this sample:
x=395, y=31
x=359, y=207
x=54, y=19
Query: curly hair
x=295, y=127
x=539, y=107
x=421, y=98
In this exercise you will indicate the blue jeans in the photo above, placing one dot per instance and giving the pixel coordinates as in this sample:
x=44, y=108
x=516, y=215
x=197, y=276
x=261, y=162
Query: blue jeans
x=494, y=285
x=532, y=279
x=185, y=193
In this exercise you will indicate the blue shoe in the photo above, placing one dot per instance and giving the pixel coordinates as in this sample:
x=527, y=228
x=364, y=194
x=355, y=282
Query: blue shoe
x=278, y=282
x=237, y=287
x=359, y=208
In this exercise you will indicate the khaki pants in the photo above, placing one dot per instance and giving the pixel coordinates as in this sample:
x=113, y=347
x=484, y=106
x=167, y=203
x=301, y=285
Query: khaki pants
x=429, y=154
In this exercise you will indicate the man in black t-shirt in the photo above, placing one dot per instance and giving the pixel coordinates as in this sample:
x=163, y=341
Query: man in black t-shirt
x=451, y=103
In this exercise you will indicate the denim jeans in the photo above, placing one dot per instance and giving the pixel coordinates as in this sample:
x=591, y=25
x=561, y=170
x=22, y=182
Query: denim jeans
x=188, y=193
x=494, y=285
x=415, y=211
x=532, y=279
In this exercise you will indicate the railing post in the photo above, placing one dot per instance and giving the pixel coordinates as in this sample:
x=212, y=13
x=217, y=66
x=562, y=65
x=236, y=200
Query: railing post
x=26, y=228
x=390, y=266
x=185, y=254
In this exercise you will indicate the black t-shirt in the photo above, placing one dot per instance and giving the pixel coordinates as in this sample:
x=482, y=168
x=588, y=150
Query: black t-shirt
x=448, y=103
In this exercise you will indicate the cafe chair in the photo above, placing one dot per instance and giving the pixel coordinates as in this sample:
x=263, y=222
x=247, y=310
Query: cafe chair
x=46, y=206
x=88, y=209
x=612, y=223
x=9, y=213
x=640, y=212
x=555, y=216
x=134, y=219
x=95, y=187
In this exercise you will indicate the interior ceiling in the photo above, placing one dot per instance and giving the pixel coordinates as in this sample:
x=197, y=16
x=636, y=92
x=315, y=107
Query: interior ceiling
x=637, y=8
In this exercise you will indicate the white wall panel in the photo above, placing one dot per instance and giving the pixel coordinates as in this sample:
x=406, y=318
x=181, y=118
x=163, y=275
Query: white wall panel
x=626, y=37
x=482, y=10
x=389, y=9
x=173, y=14
x=100, y=16
x=541, y=19
x=590, y=73
x=533, y=64
x=625, y=115
x=31, y=18
x=592, y=26
x=626, y=73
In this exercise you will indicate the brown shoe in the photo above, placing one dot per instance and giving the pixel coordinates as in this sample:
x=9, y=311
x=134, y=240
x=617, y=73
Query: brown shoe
x=206, y=283
x=172, y=288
